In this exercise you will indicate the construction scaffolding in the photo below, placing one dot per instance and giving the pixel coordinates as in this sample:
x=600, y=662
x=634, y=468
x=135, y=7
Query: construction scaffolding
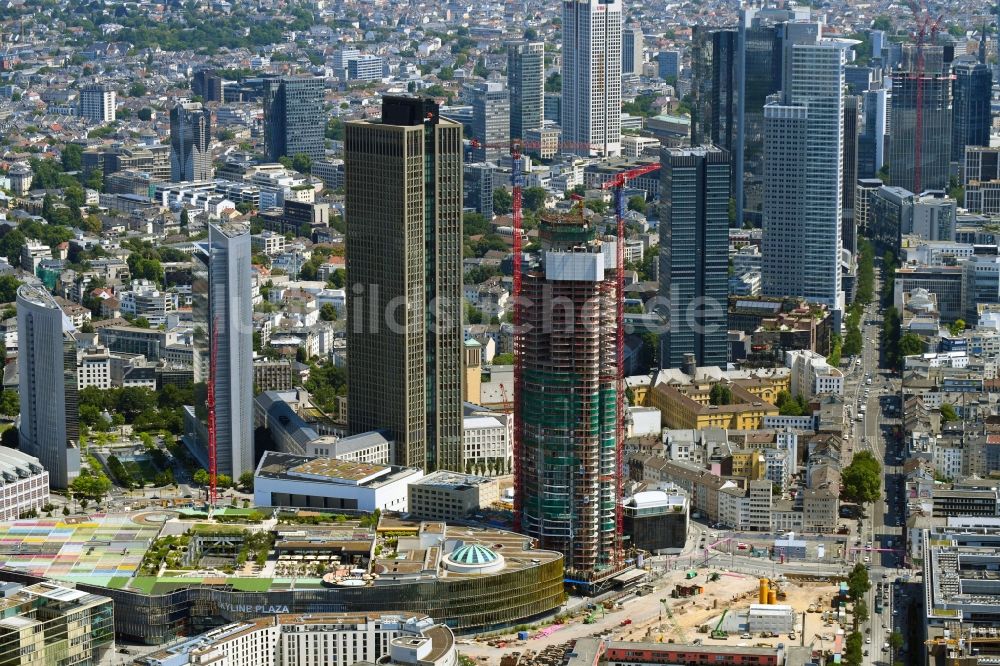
x=569, y=398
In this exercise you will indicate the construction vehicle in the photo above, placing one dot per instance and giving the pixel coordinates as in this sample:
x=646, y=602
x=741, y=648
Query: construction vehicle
x=690, y=574
x=718, y=632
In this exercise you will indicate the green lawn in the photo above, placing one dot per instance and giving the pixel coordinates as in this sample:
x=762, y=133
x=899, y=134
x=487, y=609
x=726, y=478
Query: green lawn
x=118, y=582
x=251, y=584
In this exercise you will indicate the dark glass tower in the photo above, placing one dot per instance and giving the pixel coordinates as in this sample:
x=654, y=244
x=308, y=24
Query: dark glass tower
x=935, y=132
x=970, y=119
x=294, y=119
x=404, y=274
x=715, y=87
x=694, y=254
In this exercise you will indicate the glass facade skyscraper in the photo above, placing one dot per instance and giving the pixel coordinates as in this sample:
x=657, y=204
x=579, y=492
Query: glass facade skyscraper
x=632, y=46
x=526, y=85
x=972, y=87
x=294, y=119
x=46, y=368
x=490, y=120
x=935, y=133
x=804, y=152
x=223, y=315
x=404, y=281
x=715, y=87
x=735, y=70
x=694, y=254
x=190, y=137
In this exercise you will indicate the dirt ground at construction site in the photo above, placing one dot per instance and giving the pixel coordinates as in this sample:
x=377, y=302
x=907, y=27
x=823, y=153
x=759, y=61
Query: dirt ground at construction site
x=658, y=616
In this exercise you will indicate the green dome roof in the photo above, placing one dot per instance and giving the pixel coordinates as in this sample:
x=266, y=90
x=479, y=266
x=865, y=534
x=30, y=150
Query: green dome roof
x=473, y=554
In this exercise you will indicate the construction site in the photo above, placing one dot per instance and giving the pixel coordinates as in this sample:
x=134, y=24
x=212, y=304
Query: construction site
x=692, y=606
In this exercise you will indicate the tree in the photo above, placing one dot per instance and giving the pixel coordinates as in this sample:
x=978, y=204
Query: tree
x=882, y=22
x=720, y=394
x=90, y=485
x=8, y=288
x=837, y=347
x=474, y=224
x=145, y=114
x=302, y=163
x=793, y=407
x=10, y=403
x=137, y=89
x=957, y=327
x=223, y=481
x=858, y=582
x=200, y=478
x=327, y=312
x=860, y=613
x=95, y=180
x=853, y=651
x=534, y=198
x=948, y=413
x=553, y=83
x=246, y=481
x=895, y=640
x=502, y=201
x=72, y=157
x=503, y=359
x=11, y=244
x=861, y=481
x=637, y=203
x=910, y=344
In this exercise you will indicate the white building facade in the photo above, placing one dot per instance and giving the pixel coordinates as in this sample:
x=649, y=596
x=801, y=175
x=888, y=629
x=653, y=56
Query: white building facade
x=592, y=77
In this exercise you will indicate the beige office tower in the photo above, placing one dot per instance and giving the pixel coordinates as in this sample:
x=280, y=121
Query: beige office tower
x=404, y=274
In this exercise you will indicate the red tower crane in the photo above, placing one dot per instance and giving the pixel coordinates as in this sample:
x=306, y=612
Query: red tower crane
x=618, y=183
x=212, y=466
x=923, y=26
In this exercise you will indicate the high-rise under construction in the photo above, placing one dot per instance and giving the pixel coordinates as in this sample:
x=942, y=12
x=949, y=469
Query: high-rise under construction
x=567, y=484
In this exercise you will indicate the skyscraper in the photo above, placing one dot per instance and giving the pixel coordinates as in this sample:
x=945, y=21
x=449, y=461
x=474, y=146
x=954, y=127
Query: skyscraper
x=971, y=91
x=632, y=45
x=46, y=365
x=715, y=88
x=97, y=103
x=404, y=275
x=190, y=137
x=694, y=254
x=871, y=141
x=764, y=48
x=294, y=119
x=526, y=83
x=668, y=65
x=207, y=84
x=490, y=121
x=852, y=120
x=566, y=484
x=932, y=149
x=592, y=77
x=223, y=315
x=803, y=178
